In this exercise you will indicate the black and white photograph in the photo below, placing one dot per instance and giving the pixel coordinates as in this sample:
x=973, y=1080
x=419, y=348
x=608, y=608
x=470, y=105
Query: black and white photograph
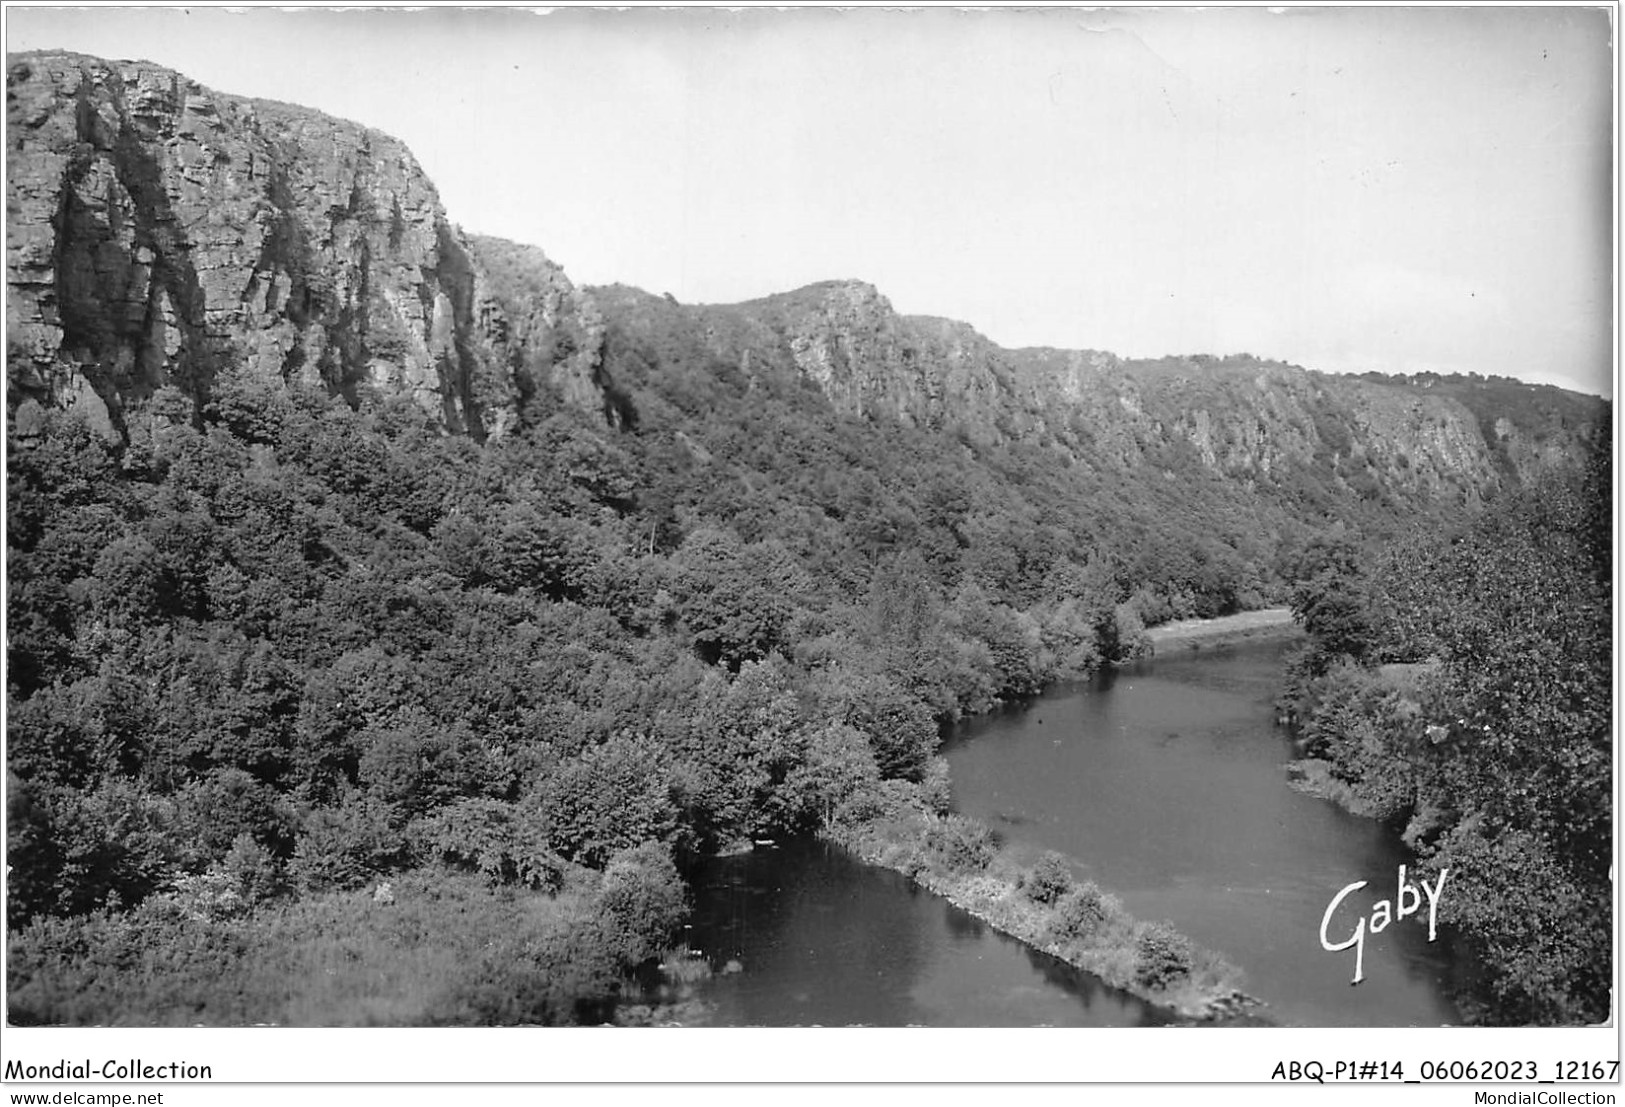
x=866, y=518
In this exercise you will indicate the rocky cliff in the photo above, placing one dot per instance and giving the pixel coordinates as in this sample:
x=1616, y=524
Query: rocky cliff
x=1243, y=418
x=162, y=234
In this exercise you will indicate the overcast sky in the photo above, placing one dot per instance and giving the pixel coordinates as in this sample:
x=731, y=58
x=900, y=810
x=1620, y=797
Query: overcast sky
x=1348, y=189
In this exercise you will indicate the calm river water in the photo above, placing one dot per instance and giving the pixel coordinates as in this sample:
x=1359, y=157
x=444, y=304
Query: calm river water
x=1164, y=780
x=822, y=940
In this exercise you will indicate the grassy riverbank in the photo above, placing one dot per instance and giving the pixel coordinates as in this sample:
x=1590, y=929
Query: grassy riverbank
x=1044, y=906
x=1244, y=626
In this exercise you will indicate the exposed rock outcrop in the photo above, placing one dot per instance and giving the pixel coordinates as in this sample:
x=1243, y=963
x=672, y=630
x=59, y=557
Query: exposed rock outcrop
x=1242, y=418
x=162, y=234
x=544, y=329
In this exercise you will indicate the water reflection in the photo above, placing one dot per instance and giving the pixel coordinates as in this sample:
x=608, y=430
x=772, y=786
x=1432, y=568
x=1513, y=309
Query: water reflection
x=822, y=940
x=1165, y=779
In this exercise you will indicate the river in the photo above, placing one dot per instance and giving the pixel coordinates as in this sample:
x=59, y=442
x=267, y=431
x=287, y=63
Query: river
x=819, y=939
x=1164, y=781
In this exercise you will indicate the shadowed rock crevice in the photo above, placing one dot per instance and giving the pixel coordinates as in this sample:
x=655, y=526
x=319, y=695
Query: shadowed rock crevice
x=163, y=233
x=129, y=303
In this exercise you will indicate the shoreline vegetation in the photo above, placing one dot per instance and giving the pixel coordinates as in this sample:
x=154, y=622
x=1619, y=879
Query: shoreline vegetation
x=905, y=828
x=1323, y=778
x=902, y=828
x=1458, y=690
x=363, y=935
x=1044, y=907
x=1245, y=626
x=1317, y=777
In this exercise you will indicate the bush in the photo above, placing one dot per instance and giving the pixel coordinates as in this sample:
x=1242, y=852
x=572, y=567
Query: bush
x=72, y=852
x=838, y=765
x=1078, y=913
x=346, y=847
x=230, y=803
x=1049, y=880
x=903, y=857
x=640, y=902
x=415, y=764
x=610, y=798
x=960, y=845
x=506, y=844
x=877, y=801
x=900, y=727
x=209, y=896
x=936, y=787
x=254, y=872
x=1128, y=634
x=1163, y=956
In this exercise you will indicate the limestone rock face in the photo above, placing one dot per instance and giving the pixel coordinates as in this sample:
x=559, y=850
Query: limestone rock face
x=845, y=338
x=543, y=329
x=1263, y=421
x=1242, y=418
x=162, y=234
x=869, y=360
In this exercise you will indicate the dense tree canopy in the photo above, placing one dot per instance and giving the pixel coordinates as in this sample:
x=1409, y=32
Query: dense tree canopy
x=284, y=648
x=1488, y=735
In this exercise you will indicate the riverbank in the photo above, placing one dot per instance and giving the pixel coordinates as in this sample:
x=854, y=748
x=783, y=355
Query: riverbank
x=1042, y=907
x=1314, y=777
x=1245, y=626
x=1318, y=776
x=1078, y=923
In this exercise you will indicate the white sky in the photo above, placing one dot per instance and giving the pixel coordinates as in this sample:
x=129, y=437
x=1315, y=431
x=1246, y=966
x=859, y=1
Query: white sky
x=1346, y=188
